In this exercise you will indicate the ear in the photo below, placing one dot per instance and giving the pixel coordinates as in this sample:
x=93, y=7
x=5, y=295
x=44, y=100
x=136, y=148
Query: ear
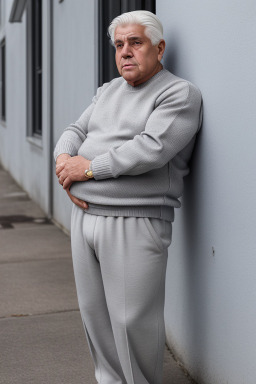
x=161, y=49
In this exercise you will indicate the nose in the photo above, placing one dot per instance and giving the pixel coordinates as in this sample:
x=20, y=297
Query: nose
x=126, y=51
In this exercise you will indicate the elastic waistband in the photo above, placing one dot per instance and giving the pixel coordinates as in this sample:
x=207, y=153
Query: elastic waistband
x=159, y=212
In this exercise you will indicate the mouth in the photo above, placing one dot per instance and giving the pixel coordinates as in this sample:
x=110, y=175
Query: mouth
x=128, y=65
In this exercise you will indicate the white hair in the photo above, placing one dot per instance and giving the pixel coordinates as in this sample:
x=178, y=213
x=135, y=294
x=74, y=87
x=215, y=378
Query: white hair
x=153, y=30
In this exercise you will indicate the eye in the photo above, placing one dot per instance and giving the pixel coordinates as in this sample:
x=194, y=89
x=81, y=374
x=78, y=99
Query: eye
x=137, y=42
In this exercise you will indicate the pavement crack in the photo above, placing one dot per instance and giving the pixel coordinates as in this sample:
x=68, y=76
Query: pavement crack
x=21, y=315
x=30, y=260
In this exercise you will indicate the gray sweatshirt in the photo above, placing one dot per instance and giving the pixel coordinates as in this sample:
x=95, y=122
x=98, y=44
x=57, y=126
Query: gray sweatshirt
x=140, y=140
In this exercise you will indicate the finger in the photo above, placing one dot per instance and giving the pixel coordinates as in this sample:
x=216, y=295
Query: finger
x=68, y=187
x=69, y=194
x=58, y=172
x=80, y=203
x=66, y=183
x=59, y=168
x=62, y=177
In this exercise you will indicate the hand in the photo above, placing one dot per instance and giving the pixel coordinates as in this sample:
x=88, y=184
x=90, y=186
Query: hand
x=72, y=169
x=60, y=162
x=80, y=203
x=60, y=165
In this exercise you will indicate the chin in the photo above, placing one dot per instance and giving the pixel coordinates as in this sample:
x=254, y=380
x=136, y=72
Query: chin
x=129, y=77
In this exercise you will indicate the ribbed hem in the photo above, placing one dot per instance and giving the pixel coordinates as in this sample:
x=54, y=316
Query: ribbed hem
x=100, y=166
x=159, y=212
x=65, y=147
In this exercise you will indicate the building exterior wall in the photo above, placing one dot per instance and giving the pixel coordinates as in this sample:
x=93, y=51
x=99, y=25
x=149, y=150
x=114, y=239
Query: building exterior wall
x=74, y=73
x=25, y=158
x=67, y=90
x=210, y=296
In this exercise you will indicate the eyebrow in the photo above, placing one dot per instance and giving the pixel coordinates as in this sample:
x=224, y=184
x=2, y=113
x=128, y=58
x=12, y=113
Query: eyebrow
x=129, y=39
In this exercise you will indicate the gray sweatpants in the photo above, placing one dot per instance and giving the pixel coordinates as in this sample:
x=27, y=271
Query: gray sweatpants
x=119, y=266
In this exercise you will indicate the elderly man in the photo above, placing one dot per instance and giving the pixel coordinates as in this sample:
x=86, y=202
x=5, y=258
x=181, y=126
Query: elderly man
x=122, y=164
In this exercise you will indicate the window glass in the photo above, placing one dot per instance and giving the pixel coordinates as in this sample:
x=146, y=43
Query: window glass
x=34, y=63
x=108, y=10
x=3, y=81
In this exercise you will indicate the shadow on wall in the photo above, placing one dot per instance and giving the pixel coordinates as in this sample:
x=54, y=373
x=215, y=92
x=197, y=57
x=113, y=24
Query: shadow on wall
x=170, y=55
x=194, y=278
x=196, y=261
x=194, y=301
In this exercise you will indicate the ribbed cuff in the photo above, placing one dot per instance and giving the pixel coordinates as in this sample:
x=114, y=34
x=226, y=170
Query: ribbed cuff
x=100, y=166
x=65, y=147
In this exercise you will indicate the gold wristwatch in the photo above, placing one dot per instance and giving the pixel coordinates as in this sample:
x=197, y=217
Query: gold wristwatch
x=88, y=173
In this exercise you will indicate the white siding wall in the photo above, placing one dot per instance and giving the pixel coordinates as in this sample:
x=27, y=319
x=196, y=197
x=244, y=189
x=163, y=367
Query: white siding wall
x=74, y=76
x=74, y=83
x=28, y=163
x=210, y=299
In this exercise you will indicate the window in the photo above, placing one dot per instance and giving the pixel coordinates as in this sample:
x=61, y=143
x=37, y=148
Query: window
x=34, y=67
x=108, y=9
x=2, y=81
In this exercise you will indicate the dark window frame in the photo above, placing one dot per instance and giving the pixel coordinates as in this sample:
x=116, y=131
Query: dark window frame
x=3, y=79
x=34, y=67
x=108, y=10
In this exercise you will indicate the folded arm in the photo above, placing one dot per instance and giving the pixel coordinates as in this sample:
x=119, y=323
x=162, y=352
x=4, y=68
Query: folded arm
x=69, y=166
x=75, y=134
x=170, y=127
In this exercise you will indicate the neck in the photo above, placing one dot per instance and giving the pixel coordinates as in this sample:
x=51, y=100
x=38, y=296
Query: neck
x=157, y=69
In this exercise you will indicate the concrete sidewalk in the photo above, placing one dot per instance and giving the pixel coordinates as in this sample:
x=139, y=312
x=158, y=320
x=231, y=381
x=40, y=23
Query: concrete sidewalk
x=41, y=333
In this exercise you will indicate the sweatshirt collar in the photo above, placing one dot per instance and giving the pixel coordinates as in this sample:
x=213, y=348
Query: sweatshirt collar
x=146, y=83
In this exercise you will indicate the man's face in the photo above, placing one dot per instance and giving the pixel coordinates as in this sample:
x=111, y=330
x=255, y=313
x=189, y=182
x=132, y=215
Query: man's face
x=137, y=59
